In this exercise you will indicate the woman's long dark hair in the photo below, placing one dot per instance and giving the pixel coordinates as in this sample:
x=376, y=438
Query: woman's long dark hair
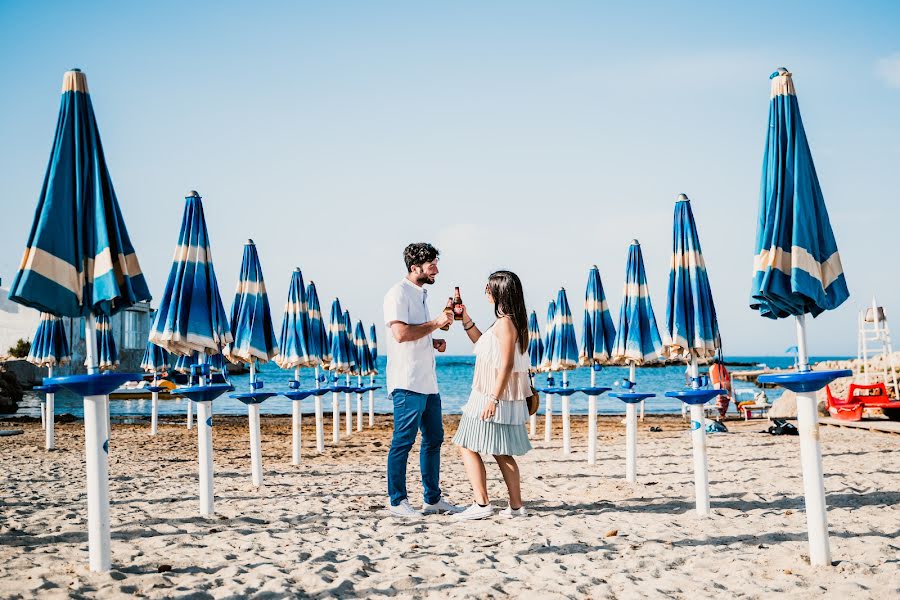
x=509, y=301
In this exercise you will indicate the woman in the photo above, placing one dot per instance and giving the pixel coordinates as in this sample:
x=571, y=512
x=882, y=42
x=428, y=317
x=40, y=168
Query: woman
x=493, y=420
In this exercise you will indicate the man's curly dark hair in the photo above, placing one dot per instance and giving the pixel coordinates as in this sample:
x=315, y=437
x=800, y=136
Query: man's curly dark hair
x=418, y=254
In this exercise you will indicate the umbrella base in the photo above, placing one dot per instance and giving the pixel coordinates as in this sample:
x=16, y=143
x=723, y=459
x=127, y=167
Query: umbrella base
x=98, y=384
x=695, y=397
x=631, y=397
x=805, y=381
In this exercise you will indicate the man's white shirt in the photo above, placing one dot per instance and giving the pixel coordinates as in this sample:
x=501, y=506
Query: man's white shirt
x=410, y=365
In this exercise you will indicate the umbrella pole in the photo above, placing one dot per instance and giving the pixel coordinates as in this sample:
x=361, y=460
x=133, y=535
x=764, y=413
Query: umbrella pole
x=698, y=438
x=296, y=424
x=548, y=416
x=154, y=407
x=592, y=422
x=44, y=412
x=348, y=408
x=567, y=426
x=320, y=425
x=335, y=417
x=255, y=450
x=811, y=462
x=372, y=402
x=96, y=461
x=50, y=412
x=359, y=406
x=631, y=434
x=190, y=414
x=204, y=449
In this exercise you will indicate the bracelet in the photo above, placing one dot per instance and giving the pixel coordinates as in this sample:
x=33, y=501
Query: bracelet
x=471, y=325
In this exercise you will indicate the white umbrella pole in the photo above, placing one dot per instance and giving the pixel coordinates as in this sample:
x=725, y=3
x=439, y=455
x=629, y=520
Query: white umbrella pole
x=96, y=462
x=190, y=414
x=205, y=450
x=372, y=402
x=154, y=407
x=698, y=438
x=320, y=419
x=642, y=411
x=631, y=434
x=359, y=405
x=348, y=408
x=255, y=449
x=335, y=419
x=811, y=462
x=548, y=417
x=567, y=426
x=592, y=422
x=296, y=424
x=44, y=412
x=50, y=412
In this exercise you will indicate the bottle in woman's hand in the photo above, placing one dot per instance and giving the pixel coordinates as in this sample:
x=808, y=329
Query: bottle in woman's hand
x=458, y=307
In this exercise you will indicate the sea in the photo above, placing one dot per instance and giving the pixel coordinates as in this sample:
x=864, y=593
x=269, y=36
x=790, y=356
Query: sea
x=454, y=375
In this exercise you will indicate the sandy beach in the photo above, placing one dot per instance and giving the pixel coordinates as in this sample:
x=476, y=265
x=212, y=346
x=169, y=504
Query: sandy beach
x=320, y=529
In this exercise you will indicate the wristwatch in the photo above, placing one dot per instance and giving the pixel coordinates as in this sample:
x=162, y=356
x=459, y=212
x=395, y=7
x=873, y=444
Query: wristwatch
x=495, y=400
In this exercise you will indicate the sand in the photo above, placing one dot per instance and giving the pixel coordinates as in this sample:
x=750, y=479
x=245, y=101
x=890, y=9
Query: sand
x=320, y=529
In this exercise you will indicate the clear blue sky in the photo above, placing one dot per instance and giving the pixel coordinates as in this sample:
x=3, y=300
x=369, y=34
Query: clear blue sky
x=540, y=137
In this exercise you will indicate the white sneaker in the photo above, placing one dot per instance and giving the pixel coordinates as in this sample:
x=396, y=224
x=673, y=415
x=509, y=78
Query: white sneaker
x=509, y=512
x=403, y=510
x=441, y=506
x=474, y=512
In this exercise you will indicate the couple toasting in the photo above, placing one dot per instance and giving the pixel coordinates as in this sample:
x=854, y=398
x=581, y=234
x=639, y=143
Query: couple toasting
x=493, y=419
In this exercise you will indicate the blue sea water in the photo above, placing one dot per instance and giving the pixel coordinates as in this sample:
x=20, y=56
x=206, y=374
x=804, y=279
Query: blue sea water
x=454, y=379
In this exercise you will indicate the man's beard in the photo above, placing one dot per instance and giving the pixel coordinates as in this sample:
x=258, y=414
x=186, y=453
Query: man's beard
x=423, y=279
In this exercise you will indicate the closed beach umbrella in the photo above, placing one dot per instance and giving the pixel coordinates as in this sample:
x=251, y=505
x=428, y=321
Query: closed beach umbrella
x=319, y=355
x=597, y=337
x=637, y=342
x=373, y=352
x=191, y=319
x=293, y=349
x=354, y=370
x=49, y=349
x=254, y=341
x=564, y=357
x=342, y=360
x=155, y=359
x=549, y=344
x=691, y=327
x=365, y=367
x=797, y=270
x=79, y=262
x=107, y=353
x=535, y=357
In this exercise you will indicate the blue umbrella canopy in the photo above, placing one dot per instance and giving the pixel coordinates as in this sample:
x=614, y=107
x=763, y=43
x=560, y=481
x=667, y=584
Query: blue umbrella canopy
x=348, y=327
x=49, y=348
x=342, y=352
x=550, y=341
x=535, y=342
x=216, y=362
x=107, y=353
x=319, y=350
x=251, y=318
x=598, y=333
x=691, y=322
x=373, y=347
x=797, y=267
x=191, y=317
x=364, y=364
x=294, y=340
x=637, y=337
x=564, y=354
x=155, y=359
x=79, y=258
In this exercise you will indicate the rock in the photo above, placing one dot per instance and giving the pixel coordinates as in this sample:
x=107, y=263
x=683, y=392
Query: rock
x=785, y=407
x=611, y=533
x=163, y=568
x=10, y=392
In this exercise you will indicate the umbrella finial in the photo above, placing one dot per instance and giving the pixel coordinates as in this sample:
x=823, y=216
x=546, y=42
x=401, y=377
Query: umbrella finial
x=296, y=269
x=192, y=194
x=682, y=198
x=250, y=242
x=75, y=70
x=634, y=242
x=780, y=71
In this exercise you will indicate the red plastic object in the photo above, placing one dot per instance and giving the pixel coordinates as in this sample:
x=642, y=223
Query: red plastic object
x=851, y=407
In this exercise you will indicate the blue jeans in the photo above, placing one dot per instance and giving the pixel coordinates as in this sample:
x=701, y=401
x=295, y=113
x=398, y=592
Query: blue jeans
x=414, y=412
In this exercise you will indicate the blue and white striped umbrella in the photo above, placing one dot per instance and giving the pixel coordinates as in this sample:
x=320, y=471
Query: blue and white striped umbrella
x=155, y=359
x=50, y=347
x=691, y=322
x=293, y=343
x=191, y=317
x=251, y=318
x=79, y=258
x=107, y=353
x=550, y=340
x=637, y=337
x=348, y=327
x=364, y=364
x=216, y=363
x=319, y=351
x=564, y=354
x=598, y=333
x=373, y=347
x=535, y=342
x=342, y=352
x=797, y=267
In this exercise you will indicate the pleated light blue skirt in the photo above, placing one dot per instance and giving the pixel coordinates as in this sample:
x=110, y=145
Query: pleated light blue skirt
x=487, y=437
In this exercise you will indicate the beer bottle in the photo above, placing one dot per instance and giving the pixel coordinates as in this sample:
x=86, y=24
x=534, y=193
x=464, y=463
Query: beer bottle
x=457, y=305
x=449, y=310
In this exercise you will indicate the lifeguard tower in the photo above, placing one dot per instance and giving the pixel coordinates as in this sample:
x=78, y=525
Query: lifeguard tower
x=874, y=342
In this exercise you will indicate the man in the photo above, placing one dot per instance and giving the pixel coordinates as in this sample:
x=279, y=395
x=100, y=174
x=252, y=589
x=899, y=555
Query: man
x=412, y=382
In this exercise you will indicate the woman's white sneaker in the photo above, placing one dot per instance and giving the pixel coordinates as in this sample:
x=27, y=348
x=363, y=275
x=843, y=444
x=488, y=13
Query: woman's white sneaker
x=510, y=513
x=474, y=512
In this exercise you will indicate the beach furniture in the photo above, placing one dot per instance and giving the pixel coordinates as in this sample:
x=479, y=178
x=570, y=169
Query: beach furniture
x=373, y=351
x=348, y=387
x=155, y=359
x=343, y=362
x=49, y=349
x=365, y=367
x=797, y=270
x=549, y=345
x=873, y=329
x=637, y=342
x=860, y=397
x=320, y=355
x=78, y=222
x=535, y=358
x=254, y=342
x=563, y=357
